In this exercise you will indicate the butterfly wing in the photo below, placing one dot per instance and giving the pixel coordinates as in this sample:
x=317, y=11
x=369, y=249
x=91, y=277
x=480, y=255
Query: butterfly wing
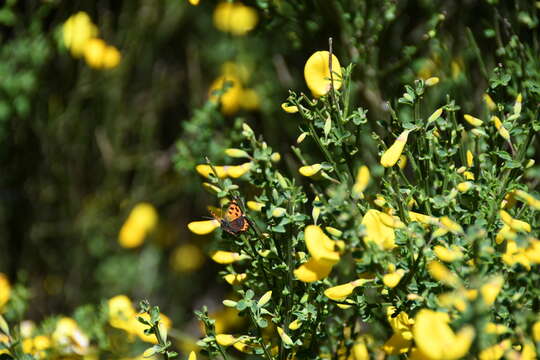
x=233, y=212
x=215, y=212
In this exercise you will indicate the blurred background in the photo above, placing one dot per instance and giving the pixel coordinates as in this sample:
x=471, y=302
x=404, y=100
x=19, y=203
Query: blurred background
x=104, y=115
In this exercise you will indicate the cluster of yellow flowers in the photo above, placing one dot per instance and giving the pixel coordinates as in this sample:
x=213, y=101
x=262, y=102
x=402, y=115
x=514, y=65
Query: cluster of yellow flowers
x=80, y=36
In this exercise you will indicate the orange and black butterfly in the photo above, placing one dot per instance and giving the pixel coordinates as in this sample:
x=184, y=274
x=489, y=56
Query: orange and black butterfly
x=233, y=220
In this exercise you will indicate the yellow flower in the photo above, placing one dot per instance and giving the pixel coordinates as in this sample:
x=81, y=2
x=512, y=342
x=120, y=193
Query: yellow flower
x=448, y=254
x=255, y=206
x=402, y=162
x=320, y=246
x=295, y=325
x=186, y=258
x=291, y=109
x=489, y=102
x=231, y=98
x=464, y=186
x=226, y=257
x=236, y=153
x=333, y=231
x=436, y=114
x=514, y=255
x=313, y=270
x=517, y=105
x=310, y=170
x=432, y=81
x=237, y=171
x=121, y=312
x=142, y=219
x=536, y=331
x=76, y=31
x=470, y=158
x=284, y=337
x=436, y=340
x=194, y=3
x=69, y=337
x=468, y=175
x=514, y=224
x=317, y=73
x=497, y=329
x=192, y=355
x=423, y=219
x=278, y=212
x=392, y=154
x=393, y=278
x=340, y=292
x=528, y=199
x=362, y=181
x=447, y=225
x=99, y=55
x=490, y=290
x=472, y=120
x=235, y=18
x=203, y=227
x=5, y=290
x=235, y=279
x=377, y=231
x=225, y=339
x=496, y=351
x=401, y=340
x=205, y=170
x=441, y=273
x=500, y=128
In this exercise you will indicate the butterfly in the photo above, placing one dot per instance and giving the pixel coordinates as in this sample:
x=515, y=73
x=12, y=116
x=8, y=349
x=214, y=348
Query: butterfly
x=233, y=220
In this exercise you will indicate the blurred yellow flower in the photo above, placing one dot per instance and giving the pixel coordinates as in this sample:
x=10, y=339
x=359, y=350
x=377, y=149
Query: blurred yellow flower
x=362, y=181
x=432, y=81
x=472, y=120
x=392, y=154
x=436, y=340
x=448, y=254
x=500, y=128
x=516, y=255
x=231, y=98
x=436, y=114
x=142, y=219
x=489, y=102
x=464, y=186
x=441, y=273
x=496, y=351
x=194, y=3
x=401, y=340
x=203, y=227
x=186, y=258
x=310, y=170
x=225, y=339
x=528, y=199
x=235, y=18
x=69, y=337
x=205, y=170
x=377, y=231
x=76, y=31
x=255, y=206
x=99, y=55
x=5, y=290
x=317, y=73
x=235, y=279
x=491, y=289
x=340, y=292
x=236, y=153
x=514, y=224
x=121, y=312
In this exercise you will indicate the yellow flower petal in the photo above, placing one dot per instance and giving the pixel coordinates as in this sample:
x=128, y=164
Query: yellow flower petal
x=435, y=338
x=226, y=257
x=255, y=206
x=203, y=227
x=291, y=109
x=392, y=279
x=231, y=99
x=77, y=31
x=235, y=18
x=490, y=290
x=319, y=245
x=313, y=270
x=225, y=339
x=432, y=81
x=362, y=181
x=205, y=170
x=441, y=273
x=472, y=120
x=310, y=170
x=317, y=73
x=237, y=171
x=340, y=292
x=5, y=290
x=377, y=231
x=392, y=154
x=448, y=254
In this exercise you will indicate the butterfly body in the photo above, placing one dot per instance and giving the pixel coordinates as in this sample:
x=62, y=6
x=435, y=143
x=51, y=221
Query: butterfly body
x=233, y=220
